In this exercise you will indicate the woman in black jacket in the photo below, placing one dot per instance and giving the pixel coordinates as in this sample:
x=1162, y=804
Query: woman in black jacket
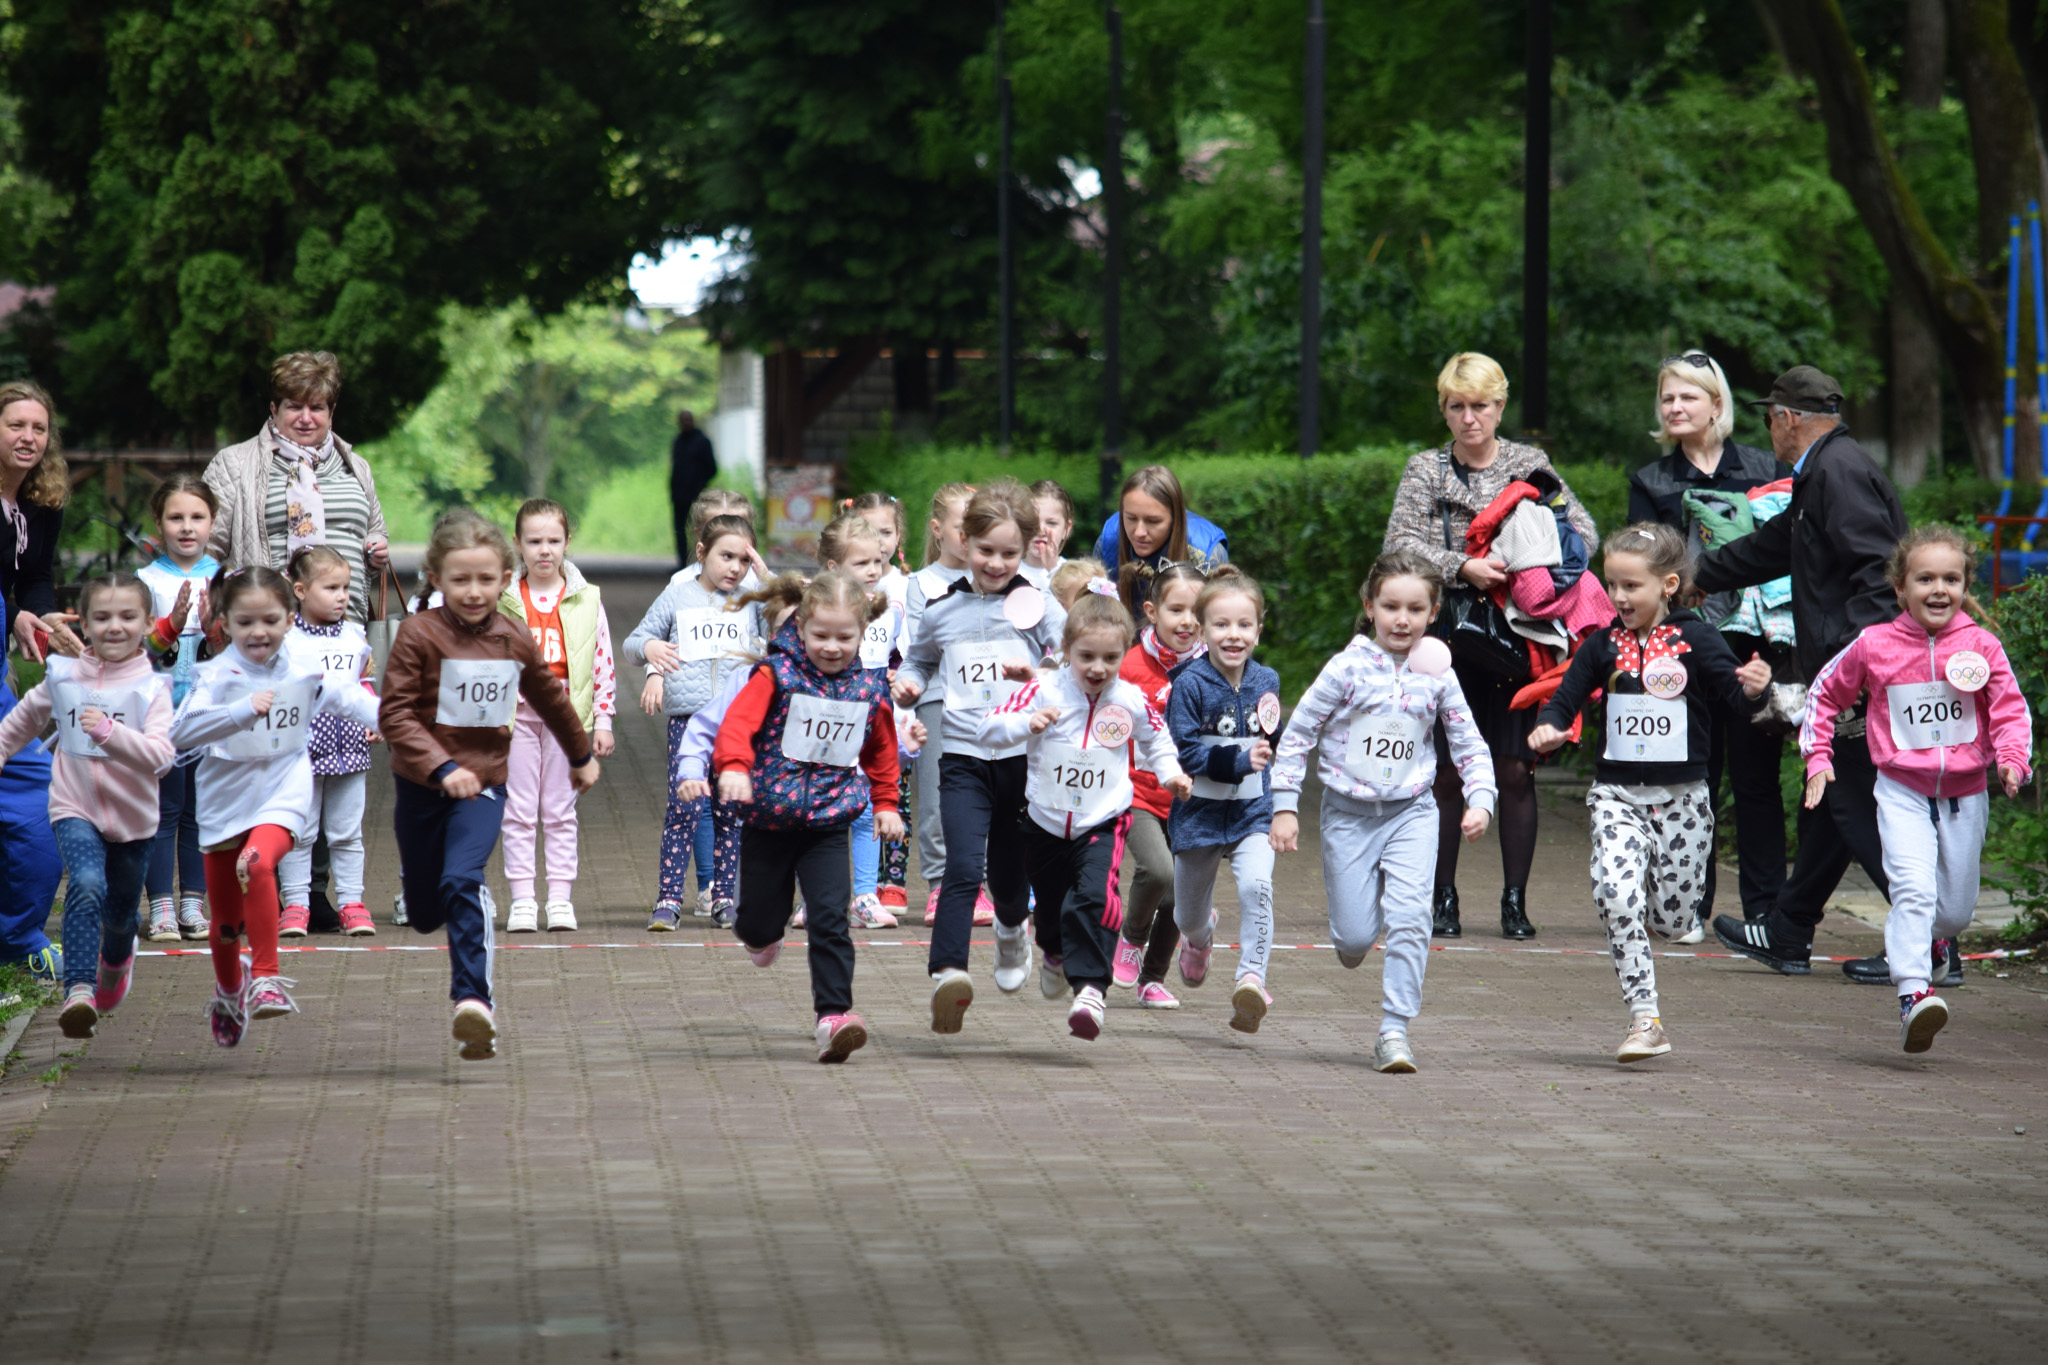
x=1695, y=417
x=34, y=485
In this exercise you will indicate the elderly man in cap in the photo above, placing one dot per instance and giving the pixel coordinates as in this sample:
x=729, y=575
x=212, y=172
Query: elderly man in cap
x=1835, y=541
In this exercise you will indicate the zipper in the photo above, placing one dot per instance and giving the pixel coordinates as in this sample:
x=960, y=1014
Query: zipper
x=1941, y=751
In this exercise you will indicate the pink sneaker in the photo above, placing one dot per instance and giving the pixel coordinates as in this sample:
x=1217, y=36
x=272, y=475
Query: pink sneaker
x=1153, y=995
x=931, y=907
x=870, y=913
x=1194, y=962
x=113, y=984
x=356, y=921
x=840, y=1036
x=984, y=908
x=1124, y=969
x=228, y=1014
x=268, y=998
x=292, y=921
x=1250, y=1002
x=764, y=957
x=80, y=1014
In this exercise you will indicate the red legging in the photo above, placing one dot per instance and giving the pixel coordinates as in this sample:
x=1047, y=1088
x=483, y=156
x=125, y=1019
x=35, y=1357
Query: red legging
x=245, y=908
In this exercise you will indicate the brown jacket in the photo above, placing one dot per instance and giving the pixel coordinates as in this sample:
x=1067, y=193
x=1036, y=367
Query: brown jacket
x=412, y=692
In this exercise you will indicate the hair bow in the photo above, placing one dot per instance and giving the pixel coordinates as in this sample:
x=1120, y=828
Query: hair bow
x=1102, y=587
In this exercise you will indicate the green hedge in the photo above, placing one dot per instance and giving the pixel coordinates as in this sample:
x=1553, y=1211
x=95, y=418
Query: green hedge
x=1307, y=530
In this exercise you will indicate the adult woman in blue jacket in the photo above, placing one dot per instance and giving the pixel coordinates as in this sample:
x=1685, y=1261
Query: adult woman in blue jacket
x=1151, y=529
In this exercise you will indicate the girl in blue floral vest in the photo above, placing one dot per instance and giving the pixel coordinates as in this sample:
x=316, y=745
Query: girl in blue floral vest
x=807, y=744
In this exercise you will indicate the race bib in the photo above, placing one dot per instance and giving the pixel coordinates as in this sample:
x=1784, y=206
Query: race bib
x=974, y=674
x=877, y=641
x=1070, y=778
x=707, y=632
x=1645, y=730
x=1250, y=789
x=1931, y=715
x=68, y=699
x=827, y=732
x=281, y=730
x=478, y=693
x=1382, y=750
x=341, y=660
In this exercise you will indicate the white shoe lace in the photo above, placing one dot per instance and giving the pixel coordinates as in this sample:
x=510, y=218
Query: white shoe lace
x=278, y=986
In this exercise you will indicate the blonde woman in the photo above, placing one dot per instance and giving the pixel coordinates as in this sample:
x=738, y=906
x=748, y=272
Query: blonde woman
x=1440, y=493
x=34, y=486
x=1695, y=420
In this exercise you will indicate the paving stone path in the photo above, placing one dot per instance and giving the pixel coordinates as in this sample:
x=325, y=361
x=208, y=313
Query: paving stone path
x=655, y=1169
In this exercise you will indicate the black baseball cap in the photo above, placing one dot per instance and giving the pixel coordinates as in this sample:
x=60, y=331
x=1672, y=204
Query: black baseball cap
x=1803, y=389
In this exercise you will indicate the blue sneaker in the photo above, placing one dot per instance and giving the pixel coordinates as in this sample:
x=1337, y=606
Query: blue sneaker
x=47, y=964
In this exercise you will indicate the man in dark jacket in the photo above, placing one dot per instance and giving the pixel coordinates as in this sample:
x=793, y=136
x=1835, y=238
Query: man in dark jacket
x=1835, y=541
x=691, y=467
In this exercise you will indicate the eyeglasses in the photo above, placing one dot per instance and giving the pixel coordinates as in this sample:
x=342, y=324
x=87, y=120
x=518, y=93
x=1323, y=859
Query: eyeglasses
x=1699, y=360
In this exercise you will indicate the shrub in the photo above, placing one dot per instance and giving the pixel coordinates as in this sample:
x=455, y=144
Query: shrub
x=2017, y=841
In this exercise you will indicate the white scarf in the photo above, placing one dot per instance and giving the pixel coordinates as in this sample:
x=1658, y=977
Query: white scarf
x=305, y=508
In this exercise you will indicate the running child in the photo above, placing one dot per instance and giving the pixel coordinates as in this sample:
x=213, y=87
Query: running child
x=945, y=564
x=251, y=711
x=1171, y=636
x=451, y=694
x=339, y=747
x=1225, y=714
x=689, y=640
x=565, y=614
x=1085, y=731
x=988, y=619
x=808, y=744
x=1043, y=557
x=1954, y=712
x=852, y=546
x=184, y=508
x=113, y=716
x=1368, y=718
x=1663, y=668
x=884, y=512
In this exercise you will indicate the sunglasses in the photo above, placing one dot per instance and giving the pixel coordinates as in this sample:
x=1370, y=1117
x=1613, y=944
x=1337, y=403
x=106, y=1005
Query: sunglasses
x=1699, y=360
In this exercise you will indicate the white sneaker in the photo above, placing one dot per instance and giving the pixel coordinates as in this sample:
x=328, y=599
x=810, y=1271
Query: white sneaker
x=523, y=917
x=1393, y=1055
x=476, y=1030
x=1052, y=978
x=1696, y=934
x=1084, y=1020
x=1013, y=958
x=561, y=917
x=952, y=993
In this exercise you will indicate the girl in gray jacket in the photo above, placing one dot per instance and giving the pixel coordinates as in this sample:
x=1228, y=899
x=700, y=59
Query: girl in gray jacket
x=690, y=639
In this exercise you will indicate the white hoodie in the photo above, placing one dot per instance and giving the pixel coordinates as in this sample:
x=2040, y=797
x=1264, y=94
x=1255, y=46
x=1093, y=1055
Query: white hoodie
x=250, y=777
x=1080, y=769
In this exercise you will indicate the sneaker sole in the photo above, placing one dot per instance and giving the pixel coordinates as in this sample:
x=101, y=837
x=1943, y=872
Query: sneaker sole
x=1159, y=1004
x=193, y=935
x=268, y=1011
x=522, y=928
x=78, y=1019
x=1641, y=1054
x=165, y=936
x=950, y=1000
x=1250, y=1007
x=1400, y=1066
x=561, y=928
x=478, y=1036
x=362, y=931
x=1782, y=965
x=1084, y=1025
x=1919, y=1033
x=844, y=1044
x=291, y=933
x=655, y=926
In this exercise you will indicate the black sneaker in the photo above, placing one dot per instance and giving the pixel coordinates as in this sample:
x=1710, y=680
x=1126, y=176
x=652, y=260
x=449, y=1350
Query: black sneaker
x=1948, y=962
x=1753, y=941
x=1443, y=921
x=1876, y=971
x=1868, y=971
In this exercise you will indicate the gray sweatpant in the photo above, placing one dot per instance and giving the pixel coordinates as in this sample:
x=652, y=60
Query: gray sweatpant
x=338, y=803
x=931, y=835
x=1931, y=853
x=1379, y=865
x=1194, y=888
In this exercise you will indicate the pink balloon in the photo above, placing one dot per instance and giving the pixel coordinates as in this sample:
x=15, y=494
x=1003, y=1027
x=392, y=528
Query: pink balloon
x=1431, y=656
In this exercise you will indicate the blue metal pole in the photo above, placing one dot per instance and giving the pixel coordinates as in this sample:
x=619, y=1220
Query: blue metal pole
x=2012, y=356
x=2040, y=359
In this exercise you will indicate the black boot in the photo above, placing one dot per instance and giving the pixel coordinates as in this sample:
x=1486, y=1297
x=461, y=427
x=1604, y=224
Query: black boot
x=1444, y=915
x=1514, y=914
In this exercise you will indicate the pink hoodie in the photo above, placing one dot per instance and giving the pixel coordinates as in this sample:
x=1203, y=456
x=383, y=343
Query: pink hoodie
x=1901, y=653
x=117, y=794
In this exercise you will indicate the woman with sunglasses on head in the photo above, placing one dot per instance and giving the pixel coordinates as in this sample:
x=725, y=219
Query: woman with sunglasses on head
x=1696, y=419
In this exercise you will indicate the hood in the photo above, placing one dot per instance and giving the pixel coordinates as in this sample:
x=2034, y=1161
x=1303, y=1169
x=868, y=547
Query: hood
x=573, y=581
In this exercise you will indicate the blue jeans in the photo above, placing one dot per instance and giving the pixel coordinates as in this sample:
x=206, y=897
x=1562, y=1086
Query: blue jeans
x=174, y=857
x=101, y=899
x=867, y=854
x=443, y=845
x=29, y=866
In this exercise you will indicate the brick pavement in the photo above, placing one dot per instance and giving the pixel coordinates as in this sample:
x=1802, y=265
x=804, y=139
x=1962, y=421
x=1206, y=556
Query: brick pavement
x=654, y=1169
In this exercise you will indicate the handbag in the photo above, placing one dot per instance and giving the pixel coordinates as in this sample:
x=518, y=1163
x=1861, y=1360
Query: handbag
x=1475, y=628
x=383, y=628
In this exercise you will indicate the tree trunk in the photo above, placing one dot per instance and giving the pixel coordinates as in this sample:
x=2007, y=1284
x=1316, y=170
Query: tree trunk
x=1915, y=380
x=1861, y=161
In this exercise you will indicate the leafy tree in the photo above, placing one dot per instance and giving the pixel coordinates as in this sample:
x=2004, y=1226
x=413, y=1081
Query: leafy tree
x=245, y=177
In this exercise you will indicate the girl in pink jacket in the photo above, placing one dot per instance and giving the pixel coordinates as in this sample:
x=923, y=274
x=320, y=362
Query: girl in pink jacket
x=113, y=715
x=1944, y=709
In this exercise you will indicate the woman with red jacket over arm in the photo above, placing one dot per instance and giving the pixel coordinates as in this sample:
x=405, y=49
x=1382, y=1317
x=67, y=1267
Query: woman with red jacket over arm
x=809, y=741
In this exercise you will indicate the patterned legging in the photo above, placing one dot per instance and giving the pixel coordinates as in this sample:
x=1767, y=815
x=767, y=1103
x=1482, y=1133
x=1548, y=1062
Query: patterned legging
x=1649, y=872
x=896, y=852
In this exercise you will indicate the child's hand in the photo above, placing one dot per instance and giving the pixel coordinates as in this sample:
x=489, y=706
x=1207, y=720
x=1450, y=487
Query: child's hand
x=661, y=656
x=181, y=608
x=584, y=778
x=737, y=788
x=650, y=695
x=260, y=703
x=888, y=826
x=692, y=789
x=761, y=569
x=1285, y=834
x=1817, y=786
x=2010, y=779
x=462, y=784
x=1182, y=787
x=1545, y=738
x=905, y=692
x=918, y=734
x=370, y=735
x=1755, y=676
x=1016, y=670
x=602, y=744
x=1262, y=754
x=91, y=718
x=1474, y=824
x=1042, y=720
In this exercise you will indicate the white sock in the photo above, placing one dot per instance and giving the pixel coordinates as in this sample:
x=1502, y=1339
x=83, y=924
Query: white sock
x=1642, y=1009
x=1392, y=1023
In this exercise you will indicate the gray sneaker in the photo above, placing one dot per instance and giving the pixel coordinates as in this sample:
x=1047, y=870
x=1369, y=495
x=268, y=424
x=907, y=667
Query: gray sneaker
x=192, y=918
x=398, y=909
x=1013, y=958
x=1391, y=1054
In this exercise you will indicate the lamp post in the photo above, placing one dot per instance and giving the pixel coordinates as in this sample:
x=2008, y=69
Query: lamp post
x=1112, y=301
x=1312, y=231
x=1006, y=294
x=1536, y=228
